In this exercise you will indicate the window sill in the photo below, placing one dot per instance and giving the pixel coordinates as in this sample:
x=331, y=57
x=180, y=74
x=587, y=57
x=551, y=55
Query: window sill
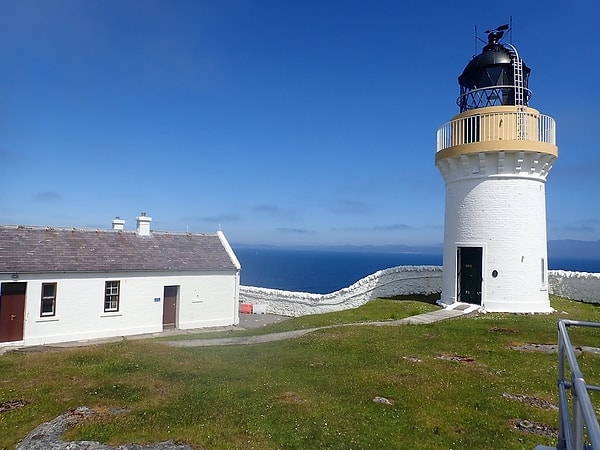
x=111, y=314
x=47, y=319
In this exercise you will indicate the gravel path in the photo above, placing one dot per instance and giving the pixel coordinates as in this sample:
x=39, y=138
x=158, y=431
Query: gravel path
x=241, y=340
x=430, y=317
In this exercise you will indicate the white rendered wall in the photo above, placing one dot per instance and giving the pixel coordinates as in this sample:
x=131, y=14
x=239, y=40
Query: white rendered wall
x=506, y=216
x=208, y=301
x=205, y=299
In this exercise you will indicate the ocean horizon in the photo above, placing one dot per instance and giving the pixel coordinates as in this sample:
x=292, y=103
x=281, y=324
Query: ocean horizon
x=321, y=271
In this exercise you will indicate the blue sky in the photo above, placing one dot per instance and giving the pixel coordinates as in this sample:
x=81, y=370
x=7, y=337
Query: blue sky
x=279, y=122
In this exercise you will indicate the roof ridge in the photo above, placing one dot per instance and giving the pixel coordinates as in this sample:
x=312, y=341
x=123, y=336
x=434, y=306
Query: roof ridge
x=96, y=230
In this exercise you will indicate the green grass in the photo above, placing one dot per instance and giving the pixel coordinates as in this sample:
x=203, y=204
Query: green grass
x=316, y=391
x=373, y=311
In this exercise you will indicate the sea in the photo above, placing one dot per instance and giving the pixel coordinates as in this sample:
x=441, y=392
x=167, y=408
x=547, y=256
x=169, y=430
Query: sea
x=325, y=271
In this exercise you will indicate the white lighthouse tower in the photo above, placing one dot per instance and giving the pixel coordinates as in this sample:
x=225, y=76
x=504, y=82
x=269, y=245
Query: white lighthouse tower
x=494, y=157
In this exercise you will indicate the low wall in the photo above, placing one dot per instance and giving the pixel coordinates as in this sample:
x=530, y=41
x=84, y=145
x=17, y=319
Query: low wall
x=581, y=286
x=402, y=280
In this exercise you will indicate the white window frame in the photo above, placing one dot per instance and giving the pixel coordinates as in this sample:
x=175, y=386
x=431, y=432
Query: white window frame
x=47, y=298
x=112, y=291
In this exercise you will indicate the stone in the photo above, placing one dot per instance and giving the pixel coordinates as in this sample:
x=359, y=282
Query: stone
x=48, y=436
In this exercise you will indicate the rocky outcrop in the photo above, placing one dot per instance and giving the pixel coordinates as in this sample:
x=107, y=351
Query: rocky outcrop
x=49, y=436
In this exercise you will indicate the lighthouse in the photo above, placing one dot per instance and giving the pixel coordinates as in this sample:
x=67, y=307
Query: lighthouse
x=494, y=157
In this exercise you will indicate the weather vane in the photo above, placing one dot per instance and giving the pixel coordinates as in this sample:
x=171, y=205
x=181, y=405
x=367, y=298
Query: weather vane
x=494, y=34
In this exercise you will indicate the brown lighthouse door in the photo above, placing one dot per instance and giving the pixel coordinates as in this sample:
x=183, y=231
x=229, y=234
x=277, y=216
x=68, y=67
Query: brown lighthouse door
x=170, y=306
x=12, y=311
x=469, y=263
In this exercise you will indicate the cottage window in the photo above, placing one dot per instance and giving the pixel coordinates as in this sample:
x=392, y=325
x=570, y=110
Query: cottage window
x=48, y=305
x=111, y=296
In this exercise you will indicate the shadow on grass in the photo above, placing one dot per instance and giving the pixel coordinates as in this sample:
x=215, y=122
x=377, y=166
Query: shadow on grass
x=430, y=299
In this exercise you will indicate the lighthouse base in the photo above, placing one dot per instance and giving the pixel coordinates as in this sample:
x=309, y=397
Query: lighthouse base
x=541, y=307
x=495, y=246
x=489, y=306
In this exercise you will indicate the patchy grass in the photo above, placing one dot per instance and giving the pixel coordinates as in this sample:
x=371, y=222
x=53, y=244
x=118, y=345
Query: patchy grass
x=453, y=384
x=377, y=310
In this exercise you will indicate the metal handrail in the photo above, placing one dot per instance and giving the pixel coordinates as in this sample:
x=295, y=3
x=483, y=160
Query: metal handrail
x=497, y=126
x=571, y=429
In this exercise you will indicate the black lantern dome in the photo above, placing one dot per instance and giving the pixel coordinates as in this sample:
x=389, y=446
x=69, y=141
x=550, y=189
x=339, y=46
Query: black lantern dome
x=497, y=76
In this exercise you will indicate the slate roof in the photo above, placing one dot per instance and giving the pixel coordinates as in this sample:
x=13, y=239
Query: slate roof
x=43, y=249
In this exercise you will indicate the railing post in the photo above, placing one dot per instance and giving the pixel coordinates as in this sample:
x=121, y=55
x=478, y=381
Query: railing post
x=572, y=426
x=577, y=422
x=562, y=400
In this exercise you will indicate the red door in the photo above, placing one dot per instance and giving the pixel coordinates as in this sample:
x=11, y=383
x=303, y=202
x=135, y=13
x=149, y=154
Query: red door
x=170, y=306
x=12, y=311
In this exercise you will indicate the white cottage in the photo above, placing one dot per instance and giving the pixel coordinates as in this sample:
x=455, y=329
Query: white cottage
x=67, y=284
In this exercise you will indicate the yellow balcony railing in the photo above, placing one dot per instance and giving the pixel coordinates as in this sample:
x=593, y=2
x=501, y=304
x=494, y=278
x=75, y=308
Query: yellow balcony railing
x=497, y=125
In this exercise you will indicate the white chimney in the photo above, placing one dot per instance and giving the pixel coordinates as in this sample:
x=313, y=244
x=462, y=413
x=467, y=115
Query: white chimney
x=118, y=224
x=143, y=225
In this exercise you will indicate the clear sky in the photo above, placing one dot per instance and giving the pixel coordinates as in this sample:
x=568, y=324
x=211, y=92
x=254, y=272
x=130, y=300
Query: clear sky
x=277, y=121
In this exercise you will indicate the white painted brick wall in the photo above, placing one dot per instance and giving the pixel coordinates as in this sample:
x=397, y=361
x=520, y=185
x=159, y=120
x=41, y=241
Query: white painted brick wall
x=507, y=218
x=496, y=200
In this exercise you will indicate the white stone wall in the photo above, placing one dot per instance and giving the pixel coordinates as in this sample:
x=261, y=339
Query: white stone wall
x=581, y=286
x=402, y=280
x=384, y=283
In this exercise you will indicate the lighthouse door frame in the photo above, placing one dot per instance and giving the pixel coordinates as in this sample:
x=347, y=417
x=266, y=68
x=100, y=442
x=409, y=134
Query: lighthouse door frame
x=469, y=273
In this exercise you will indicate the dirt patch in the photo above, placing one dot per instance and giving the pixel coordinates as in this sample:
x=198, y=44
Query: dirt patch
x=11, y=405
x=503, y=330
x=456, y=358
x=531, y=401
x=290, y=397
x=553, y=348
x=543, y=348
x=530, y=427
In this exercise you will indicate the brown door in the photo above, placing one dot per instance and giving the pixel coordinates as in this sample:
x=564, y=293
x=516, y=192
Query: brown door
x=170, y=306
x=12, y=311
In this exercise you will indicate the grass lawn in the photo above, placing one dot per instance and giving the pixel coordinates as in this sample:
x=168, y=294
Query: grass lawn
x=456, y=384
